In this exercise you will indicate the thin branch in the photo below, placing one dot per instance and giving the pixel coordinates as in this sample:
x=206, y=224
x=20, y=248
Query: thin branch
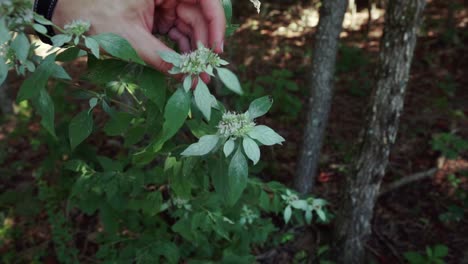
x=408, y=179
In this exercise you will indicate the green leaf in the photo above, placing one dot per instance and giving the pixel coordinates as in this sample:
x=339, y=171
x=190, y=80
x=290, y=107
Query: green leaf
x=3, y=70
x=4, y=32
x=40, y=28
x=321, y=215
x=203, y=99
x=237, y=177
x=299, y=204
x=109, y=219
x=230, y=80
x=171, y=57
x=93, y=45
x=414, y=257
x=204, y=146
x=260, y=106
x=265, y=135
x=187, y=83
x=108, y=164
x=118, y=124
x=440, y=251
x=153, y=85
x=180, y=179
x=60, y=40
x=45, y=107
x=21, y=47
x=308, y=216
x=134, y=135
x=118, y=47
x=32, y=86
x=175, y=113
x=227, y=5
x=42, y=20
x=287, y=214
x=251, y=149
x=93, y=103
x=229, y=147
x=80, y=128
x=70, y=54
x=152, y=203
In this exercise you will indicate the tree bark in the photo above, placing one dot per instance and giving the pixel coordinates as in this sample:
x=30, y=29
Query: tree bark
x=6, y=103
x=321, y=86
x=360, y=193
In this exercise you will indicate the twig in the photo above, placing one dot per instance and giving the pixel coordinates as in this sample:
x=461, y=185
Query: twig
x=408, y=179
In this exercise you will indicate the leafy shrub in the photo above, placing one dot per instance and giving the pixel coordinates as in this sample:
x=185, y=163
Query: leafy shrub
x=434, y=255
x=157, y=195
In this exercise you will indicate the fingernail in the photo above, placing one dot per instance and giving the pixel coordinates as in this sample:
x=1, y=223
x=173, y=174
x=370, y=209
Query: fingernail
x=222, y=46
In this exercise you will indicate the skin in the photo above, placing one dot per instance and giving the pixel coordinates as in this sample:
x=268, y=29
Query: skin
x=184, y=21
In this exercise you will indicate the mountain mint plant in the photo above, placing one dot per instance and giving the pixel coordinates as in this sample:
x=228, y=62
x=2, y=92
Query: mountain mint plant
x=239, y=131
x=191, y=65
x=131, y=167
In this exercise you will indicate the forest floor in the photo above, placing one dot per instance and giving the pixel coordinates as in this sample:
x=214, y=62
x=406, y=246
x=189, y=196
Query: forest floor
x=423, y=213
x=272, y=53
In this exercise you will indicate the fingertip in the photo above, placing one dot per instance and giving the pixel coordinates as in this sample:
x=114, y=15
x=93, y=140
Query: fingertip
x=205, y=77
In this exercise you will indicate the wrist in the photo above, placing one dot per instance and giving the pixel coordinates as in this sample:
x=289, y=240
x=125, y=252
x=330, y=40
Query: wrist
x=46, y=9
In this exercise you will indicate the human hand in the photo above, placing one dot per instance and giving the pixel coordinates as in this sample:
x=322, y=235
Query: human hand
x=187, y=22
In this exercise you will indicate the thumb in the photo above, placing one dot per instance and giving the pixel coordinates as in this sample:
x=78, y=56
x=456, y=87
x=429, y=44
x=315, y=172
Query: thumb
x=148, y=47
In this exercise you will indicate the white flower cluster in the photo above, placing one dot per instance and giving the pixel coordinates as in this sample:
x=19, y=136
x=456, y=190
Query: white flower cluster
x=16, y=13
x=234, y=124
x=181, y=203
x=77, y=27
x=248, y=215
x=200, y=60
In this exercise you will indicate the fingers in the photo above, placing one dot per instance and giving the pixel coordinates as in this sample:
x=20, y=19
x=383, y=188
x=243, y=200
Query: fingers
x=165, y=15
x=213, y=13
x=181, y=39
x=148, y=47
x=193, y=17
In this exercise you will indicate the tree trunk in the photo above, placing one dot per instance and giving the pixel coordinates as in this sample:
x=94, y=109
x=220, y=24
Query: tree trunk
x=321, y=85
x=359, y=195
x=6, y=103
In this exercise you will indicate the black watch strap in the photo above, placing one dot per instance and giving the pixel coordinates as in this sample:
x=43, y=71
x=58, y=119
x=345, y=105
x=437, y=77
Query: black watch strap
x=46, y=9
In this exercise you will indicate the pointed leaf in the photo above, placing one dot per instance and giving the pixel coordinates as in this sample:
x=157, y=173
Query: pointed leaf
x=171, y=57
x=229, y=147
x=204, y=146
x=203, y=99
x=60, y=40
x=230, y=80
x=93, y=45
x=3, y=70
x=118, y=47
x=187, y=83
x=260, y=106
x=251, y=149
x=175, y=113
x=153, y=85
x=287, y=214
x=21, y=47
x=237, y=177
x=266, y=135
x=40, y=28
x=45, y=107
x=32, y=86
x=80, y=128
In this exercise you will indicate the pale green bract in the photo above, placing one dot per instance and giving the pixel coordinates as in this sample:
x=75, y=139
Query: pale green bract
x=191, y=65
x=239, y=130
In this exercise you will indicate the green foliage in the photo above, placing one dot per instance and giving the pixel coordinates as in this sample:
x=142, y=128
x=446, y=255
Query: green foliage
x=450, y=145
x=158, y=196
x=281, y=86
x=433, y=255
